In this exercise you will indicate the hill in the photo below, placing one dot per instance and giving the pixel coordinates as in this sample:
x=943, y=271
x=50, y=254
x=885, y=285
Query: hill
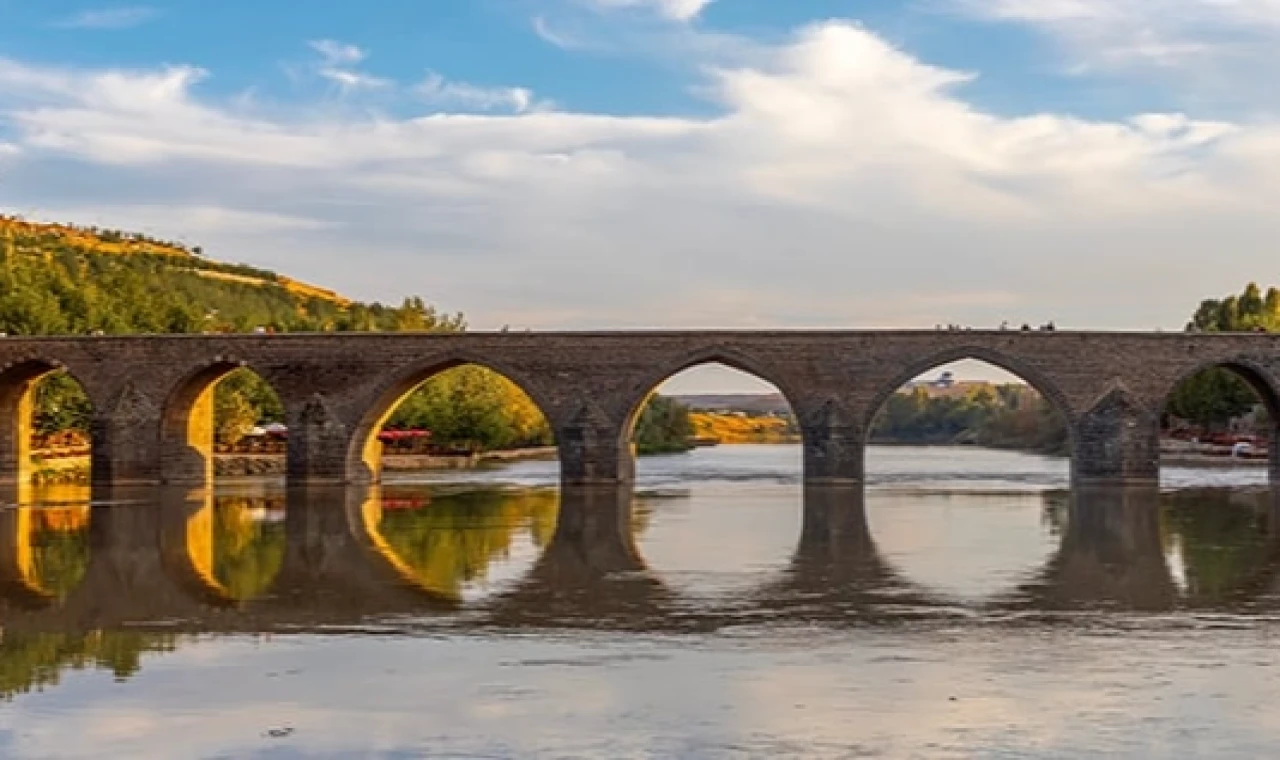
x=751, y=403
x=63, y=279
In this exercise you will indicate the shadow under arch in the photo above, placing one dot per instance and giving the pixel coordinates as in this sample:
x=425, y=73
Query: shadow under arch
x=591, y=574
x=187, y=423
x=837, y=574
x=1259, y=380
x=1111, y=557
x=364, y=451
x=1041, y=383
x=18, y=383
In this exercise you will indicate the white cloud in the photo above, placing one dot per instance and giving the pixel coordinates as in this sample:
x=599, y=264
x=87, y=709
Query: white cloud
x=1214, y=48
x=348, y=80
x=438, y=91
x=842, y=179
x=543, y=28
x=676, y=10
x=110, y=18
x=337, y=53
x=337, y=66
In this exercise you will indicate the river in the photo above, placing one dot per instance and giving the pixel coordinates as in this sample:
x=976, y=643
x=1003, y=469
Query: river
x=966, y=603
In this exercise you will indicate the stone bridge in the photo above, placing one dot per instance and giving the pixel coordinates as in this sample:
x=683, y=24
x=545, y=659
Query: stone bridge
x=152, y=395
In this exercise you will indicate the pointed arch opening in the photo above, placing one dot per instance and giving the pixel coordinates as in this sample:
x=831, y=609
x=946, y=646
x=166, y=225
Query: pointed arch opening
x=966, y=400
x=719, y=463
x=226, y=420
x=962, y=451
x=46, y=433
x=449, y=415
x=709, y=403
x=1223, y=414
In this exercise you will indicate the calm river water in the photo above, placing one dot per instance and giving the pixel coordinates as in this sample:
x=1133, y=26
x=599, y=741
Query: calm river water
x=965, y=604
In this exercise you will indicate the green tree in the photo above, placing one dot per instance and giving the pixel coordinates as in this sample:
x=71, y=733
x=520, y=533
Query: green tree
x=663, y=427
x=1212, y=398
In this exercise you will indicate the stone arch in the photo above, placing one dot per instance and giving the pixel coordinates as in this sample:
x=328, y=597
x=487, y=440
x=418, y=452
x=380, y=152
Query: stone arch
x=18, y=382
x=1257, y=376
x=1043, y=385
x=187, y=421
x=726, y=355
x=362, y=452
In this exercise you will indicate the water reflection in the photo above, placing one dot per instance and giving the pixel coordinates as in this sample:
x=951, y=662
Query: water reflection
x=838, y=573
x=1223, y=546
x=591, y=574
x=97, y=586
x=228, y=547
x=463, y=546
x=1111, y=555
x=43, y=553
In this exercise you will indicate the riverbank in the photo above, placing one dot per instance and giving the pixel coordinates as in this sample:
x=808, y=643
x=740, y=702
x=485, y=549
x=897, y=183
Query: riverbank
x=244, y=465
x=75, y=469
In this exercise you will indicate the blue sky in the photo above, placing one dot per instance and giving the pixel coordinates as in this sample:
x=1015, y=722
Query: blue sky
x=673, y=163
x=619, y=67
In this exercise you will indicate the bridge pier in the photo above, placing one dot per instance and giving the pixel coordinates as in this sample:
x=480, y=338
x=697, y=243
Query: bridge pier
x=834, y=445
x=320, y=445
x=1116, y=442
x=595, y=453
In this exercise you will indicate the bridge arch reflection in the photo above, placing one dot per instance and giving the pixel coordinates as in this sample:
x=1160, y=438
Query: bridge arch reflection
x=148, y=564
x=43, y=553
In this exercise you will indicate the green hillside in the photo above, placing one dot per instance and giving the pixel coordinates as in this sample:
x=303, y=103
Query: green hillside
x=56, y=279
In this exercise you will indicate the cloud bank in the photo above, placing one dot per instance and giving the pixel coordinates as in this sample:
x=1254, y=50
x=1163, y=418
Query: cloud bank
x=843, y=182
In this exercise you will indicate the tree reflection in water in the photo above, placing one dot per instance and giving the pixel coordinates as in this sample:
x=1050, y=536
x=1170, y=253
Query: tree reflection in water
x=247, y=539
x=452, y=542
x=34, y=661
x=44, y=550
x=1138, y=549
x=1222, y=544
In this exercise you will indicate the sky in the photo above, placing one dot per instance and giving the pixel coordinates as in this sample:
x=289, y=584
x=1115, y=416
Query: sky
x=546, y=164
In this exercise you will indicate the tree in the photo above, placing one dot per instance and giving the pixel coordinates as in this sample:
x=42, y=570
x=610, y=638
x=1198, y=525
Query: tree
x=234, y=416
x=1212, y=398
x=663, y=427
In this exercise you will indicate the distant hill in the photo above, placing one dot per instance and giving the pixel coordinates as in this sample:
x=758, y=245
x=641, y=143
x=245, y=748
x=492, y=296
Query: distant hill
x=64, y=279
x=751, y=403
x=776, y=403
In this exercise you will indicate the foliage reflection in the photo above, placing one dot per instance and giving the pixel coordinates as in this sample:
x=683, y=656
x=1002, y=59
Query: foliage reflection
x=239, y=542
x=454, y=543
